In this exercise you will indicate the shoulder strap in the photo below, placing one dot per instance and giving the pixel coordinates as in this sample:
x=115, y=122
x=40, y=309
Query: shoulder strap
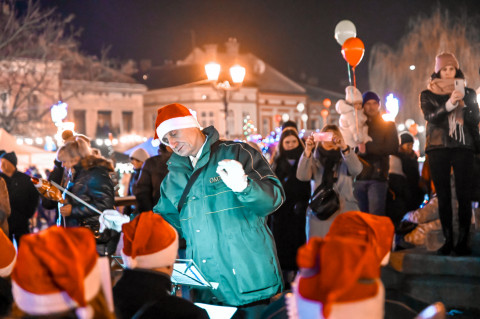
x=193, y=178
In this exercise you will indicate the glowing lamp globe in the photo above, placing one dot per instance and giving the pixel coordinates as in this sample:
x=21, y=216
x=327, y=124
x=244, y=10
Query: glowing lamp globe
x=237, y=72
x=58, y=112
x=213, y=71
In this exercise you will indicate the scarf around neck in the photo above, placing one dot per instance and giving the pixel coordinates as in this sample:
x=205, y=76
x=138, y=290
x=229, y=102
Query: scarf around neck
x=330, y=161
x=455, y=117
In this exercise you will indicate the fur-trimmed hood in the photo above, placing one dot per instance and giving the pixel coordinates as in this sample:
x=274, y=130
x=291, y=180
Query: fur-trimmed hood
x=91, y=161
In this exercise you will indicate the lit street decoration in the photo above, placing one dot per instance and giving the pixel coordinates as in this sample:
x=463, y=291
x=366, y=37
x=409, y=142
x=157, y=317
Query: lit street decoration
x=392, y=108
x=58, y=112
x=300, y=107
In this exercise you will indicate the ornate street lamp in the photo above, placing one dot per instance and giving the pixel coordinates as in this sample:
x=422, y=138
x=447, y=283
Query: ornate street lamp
x=225, y=89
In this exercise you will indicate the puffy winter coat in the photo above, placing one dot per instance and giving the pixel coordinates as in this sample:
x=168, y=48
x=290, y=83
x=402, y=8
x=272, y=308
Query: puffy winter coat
x=226, y=231
x=92, y=183
x=352, y=124
x=436, y=115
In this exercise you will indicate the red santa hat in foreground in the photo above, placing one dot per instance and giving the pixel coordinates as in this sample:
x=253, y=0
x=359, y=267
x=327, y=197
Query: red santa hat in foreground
x=8, y=255
x=57, y=272
x=149, y=242
x=342, y=270
x=172, y=117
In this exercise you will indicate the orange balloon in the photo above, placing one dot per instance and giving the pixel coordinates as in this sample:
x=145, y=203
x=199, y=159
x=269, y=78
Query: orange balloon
x=327, y=102
x=352, y=51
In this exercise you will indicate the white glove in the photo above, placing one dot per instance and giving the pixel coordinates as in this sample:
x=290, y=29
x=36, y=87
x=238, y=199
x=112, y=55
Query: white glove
x=112, y=219
x=232, y=175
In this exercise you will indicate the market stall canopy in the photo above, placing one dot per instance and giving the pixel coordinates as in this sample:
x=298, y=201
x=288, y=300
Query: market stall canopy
x=147, y=146
x=27, y=155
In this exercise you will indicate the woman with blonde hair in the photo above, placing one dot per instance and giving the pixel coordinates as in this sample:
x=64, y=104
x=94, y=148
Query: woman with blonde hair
x=91, y=182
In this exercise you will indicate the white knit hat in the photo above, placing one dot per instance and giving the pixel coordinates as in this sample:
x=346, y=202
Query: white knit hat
x=172, y=117
x=352, y=95
x=149, y=242
x=140, y=154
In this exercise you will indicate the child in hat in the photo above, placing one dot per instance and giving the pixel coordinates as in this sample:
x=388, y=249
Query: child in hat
x=352, y=119
x=57, y=274
x=150, y=248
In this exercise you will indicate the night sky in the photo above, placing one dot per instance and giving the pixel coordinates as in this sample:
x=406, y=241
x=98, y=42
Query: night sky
x=294, y=36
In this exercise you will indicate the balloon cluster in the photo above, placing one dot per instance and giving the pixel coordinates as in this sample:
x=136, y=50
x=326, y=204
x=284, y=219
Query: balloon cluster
x=352, y=47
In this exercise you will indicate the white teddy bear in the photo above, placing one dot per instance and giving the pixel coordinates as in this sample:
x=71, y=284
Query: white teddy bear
x=352, y=119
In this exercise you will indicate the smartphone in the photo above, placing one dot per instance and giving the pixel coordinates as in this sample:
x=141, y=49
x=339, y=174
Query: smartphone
x=323, y=136
x=460, y=86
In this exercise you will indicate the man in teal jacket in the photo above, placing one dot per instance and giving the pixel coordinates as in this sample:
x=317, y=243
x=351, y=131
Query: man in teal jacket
x=223, y=216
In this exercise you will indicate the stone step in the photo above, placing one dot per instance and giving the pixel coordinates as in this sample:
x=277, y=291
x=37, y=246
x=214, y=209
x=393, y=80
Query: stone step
x=428, y=278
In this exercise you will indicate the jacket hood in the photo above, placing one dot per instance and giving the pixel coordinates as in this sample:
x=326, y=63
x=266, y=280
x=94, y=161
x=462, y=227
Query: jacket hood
x=91, y=161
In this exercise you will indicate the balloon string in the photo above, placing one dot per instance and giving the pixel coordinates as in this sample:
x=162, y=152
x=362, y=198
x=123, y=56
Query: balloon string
x=349, y=76
x=354, y=78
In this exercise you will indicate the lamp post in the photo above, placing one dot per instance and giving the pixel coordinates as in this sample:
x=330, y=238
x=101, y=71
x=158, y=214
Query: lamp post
x=237, y=73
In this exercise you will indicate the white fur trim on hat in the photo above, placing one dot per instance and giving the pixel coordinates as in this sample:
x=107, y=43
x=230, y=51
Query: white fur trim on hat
x=44, y=304
x=6, y=271
x=176, y=123
x=162, y=258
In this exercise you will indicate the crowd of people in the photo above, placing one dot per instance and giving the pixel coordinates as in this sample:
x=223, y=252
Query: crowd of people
x=250, y=226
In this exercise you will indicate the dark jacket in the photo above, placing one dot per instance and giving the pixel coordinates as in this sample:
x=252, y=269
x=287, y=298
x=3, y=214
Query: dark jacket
x=57, y=176
x=436, y=115
x=140, y=287
x=92, y=183
x=147, y=188
x=288, y=222
x=23, y=198
x=384, y=143
x=129, y=209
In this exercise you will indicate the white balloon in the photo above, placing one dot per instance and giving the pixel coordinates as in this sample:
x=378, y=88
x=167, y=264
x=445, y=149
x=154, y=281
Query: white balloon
x=344, y=30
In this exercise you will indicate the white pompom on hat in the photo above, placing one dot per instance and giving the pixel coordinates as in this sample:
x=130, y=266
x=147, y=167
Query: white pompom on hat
x=353, y=95
x=140, y=154
x=172, y=117
x=56, y=271
x=149, y=242
x=8, y=255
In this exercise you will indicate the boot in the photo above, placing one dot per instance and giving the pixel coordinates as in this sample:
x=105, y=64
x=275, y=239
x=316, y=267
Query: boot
x=446, y=249
x=462, y=248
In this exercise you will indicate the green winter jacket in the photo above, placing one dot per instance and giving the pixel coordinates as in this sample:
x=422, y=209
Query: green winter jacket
x=226, y=232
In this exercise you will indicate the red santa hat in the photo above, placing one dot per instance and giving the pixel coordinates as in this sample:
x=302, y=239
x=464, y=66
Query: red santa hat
x=149, y=242
x=172, y=117
x=56, y=272
x=375, y=230
x=8, y=255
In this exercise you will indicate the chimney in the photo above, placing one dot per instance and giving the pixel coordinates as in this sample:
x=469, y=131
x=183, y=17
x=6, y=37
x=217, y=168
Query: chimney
x=232, y=47
x=210, y=52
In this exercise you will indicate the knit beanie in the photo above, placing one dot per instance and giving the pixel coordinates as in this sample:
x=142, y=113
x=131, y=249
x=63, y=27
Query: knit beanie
x=149, y=242
x=406, y=137
x=140, y=154
x=444, y=59
x=369, y=95
x=172, y=117
x=8, y=255
x=353, y=95
x=11, y=157
x=56, y=271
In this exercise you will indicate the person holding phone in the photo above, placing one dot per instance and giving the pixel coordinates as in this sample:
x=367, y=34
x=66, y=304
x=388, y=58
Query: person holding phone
x=452, y=135
x=327, y=158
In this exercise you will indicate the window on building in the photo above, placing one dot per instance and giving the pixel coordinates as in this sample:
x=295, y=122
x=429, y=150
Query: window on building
x=80, y=120
x=127, y=122
x=104, y=124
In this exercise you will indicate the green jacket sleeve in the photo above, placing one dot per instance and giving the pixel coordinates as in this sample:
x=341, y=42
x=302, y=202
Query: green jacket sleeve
x=168, y=211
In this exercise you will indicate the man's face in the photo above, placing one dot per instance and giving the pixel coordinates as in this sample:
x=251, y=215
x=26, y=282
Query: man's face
x=407, y=148
x=185, y=141
x=371, y=108
x=6, y=167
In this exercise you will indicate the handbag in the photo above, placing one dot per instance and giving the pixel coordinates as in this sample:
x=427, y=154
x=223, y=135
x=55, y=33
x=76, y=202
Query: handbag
x=324, y=202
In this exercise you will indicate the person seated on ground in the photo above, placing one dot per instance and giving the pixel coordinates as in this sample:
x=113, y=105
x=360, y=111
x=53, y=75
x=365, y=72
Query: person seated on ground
x=150, y=247
x=340, y=274
x=57, y=275
x=8, y=256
